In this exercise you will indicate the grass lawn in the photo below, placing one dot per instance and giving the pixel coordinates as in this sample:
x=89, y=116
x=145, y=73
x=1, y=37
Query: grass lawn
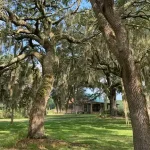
x=69, y=132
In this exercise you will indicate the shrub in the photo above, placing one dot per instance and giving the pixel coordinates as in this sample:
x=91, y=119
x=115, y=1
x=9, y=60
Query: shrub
x=1, y=114
x=7, y=114
x=120, y=112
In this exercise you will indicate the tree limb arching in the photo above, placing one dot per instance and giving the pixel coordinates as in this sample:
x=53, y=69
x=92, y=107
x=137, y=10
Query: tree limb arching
x=71, y=39
x=20, y=58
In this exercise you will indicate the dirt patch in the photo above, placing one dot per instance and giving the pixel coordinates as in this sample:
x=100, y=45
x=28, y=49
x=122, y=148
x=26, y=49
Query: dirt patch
x=45, y=144
x=41, y=144
x=11, y=149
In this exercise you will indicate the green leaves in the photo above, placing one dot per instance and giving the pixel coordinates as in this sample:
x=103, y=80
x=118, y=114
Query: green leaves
x=121, y=2
x=65, y=2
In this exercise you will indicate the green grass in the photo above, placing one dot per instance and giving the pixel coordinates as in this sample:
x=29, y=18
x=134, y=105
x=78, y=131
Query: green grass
x=80, y=132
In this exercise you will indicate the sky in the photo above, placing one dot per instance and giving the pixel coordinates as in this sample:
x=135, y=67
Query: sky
x=85, y=4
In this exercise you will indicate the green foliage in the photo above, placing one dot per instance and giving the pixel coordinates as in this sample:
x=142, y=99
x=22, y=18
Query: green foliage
x=23, y=86
x=120, y=111
x=120, y=2
x=120, y=106
x=65, y=2
x=1, y=114
x=4, y=114
x=50, y=104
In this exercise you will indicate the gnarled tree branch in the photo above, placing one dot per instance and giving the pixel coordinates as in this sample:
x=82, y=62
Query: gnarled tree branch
x=20, y=58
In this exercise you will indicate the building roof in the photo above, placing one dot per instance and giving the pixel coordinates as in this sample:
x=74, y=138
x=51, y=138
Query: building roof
x=99, y=99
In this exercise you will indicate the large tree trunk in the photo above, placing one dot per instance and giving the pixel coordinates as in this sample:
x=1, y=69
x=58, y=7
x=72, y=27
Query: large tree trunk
x=11, y=94
x=147, y=94
x=117, y=40
x=112, y=95
x=12, y=114
x=56, y=105
x=105, y=105
x=137, y=107
x=57, y=108
x=112, y=98
x=66, y=106
x=59, y=105
x=37, y=113
x=148, y=103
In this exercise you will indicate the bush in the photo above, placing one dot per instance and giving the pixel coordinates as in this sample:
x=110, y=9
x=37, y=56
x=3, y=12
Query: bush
x=104, y=114
x=18, y=115
x=1, y=114
x=7, y=114
x=120, y=112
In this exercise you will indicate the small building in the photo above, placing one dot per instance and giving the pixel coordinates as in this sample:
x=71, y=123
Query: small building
x=88, y=106
x=94, y=107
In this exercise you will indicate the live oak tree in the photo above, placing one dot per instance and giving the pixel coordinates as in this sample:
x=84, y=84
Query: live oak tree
x=71, y=73
x=37, y=25
x=112, y=28
x=93, y=66
x=96, y=61
x=101, y=60
x=139, y=45
x=91, y=63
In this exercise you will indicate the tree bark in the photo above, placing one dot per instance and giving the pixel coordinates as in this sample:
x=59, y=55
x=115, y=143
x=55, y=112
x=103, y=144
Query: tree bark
x=112, y=95
x=37, y=113
x=138, y=110
x=105, y=105
x=148, y=103
x=12, y=114
x=118, y=43
x=57, y=108
x=11, y=94
x=112, y=98
x=66, y=106
x=59, y=105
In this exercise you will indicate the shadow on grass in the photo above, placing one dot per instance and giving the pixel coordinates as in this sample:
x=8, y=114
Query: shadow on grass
x=103, y=134
x=10, y=133
x=95, y=133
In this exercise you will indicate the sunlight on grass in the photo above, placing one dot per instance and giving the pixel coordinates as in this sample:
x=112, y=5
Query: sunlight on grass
x=98, y=133
x=10, y=133
x=15, y=120
x=83, y=132
x=4, y=132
